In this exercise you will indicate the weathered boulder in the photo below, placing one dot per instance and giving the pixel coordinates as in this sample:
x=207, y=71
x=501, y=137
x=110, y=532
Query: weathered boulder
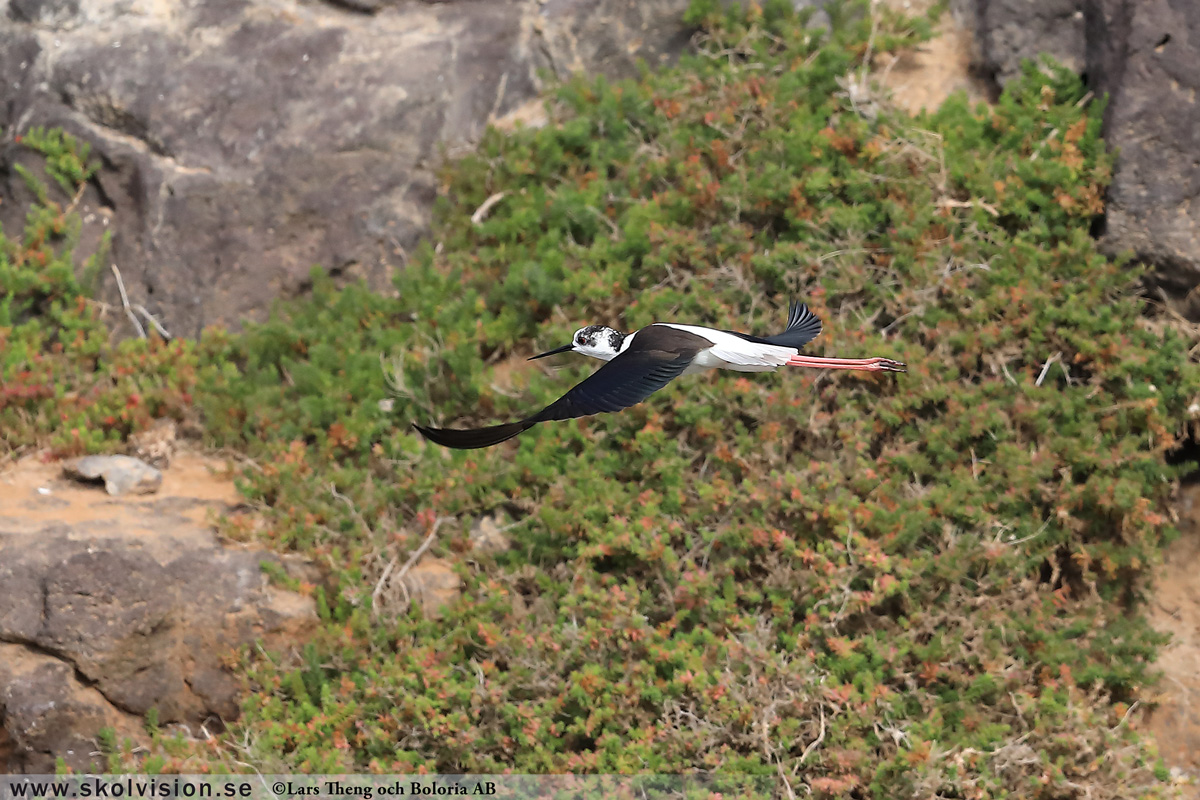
x=243, y=143
x=48, y=714
x=1009, y=31
x=110, y=607
x=1145, y=54
x=146, y=633
x=610, y=37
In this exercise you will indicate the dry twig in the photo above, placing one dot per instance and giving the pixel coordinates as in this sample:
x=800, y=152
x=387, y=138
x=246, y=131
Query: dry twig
x=125, y=302
x=1046, y=368
x=820, y=737
x=482, y=212
x=412, y=560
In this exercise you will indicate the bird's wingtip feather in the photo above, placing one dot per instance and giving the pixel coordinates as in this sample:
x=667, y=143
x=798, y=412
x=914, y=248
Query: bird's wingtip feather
x=473, y=438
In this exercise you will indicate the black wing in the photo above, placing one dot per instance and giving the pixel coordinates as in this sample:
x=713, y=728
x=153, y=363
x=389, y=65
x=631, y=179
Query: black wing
x=802, y=327
x=472, y=438
x=625, y=381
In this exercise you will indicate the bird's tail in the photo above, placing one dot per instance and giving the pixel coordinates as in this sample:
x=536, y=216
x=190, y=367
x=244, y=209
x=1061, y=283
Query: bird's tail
x=802, y=327
x=474, y=438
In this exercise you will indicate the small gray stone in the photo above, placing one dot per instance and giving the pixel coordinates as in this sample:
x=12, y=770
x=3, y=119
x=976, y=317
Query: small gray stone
x=488, y=537
x=121, y=474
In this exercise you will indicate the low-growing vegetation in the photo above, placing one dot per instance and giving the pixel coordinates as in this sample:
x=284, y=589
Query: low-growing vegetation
x=62, y=384
x=858, y=585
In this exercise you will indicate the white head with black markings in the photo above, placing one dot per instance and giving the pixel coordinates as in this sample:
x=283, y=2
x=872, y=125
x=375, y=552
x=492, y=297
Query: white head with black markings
x=597, y=341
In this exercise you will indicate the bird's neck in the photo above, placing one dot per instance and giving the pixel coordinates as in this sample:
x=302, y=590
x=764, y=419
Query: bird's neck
x=610, y=345
x=620, y=343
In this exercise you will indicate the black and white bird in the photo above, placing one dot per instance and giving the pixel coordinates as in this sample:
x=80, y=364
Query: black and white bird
x=642, y=362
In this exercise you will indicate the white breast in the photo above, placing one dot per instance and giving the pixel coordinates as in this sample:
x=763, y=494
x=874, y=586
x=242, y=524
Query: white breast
x=733, y=352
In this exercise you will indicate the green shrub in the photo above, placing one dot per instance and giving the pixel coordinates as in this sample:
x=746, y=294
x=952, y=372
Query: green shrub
x=866, y=585
x=875, y=586
x=63, y=381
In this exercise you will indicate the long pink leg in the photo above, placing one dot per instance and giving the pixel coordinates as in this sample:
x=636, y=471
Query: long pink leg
x=865, y=364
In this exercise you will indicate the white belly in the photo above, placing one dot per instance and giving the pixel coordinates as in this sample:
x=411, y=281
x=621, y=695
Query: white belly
x=734, y=353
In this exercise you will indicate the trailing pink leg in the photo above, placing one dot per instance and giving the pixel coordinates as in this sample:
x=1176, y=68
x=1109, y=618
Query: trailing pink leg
x=865, y=364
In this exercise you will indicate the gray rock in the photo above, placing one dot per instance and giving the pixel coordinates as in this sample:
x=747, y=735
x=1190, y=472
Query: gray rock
x=1145, y=54
x=109, y=608
x=121, y=474
x=1010, y=31
x=46, y=713
x=143, y=633
x=610, y=37
x=243, y=143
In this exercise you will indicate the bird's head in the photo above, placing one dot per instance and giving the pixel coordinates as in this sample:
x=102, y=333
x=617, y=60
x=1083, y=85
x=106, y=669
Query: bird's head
x=597, y=341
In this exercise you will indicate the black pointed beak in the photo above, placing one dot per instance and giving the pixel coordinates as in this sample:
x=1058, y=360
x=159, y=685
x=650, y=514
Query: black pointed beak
x=562, y=349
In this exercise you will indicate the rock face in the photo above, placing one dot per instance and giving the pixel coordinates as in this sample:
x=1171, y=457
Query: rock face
x=1012, y=30
x=48, y=714
x=146, y=633
x=111, y=607
x=1145, y=55
x=242, y=142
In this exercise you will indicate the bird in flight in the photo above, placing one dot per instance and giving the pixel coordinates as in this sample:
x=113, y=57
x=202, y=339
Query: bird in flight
x=642, y=362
